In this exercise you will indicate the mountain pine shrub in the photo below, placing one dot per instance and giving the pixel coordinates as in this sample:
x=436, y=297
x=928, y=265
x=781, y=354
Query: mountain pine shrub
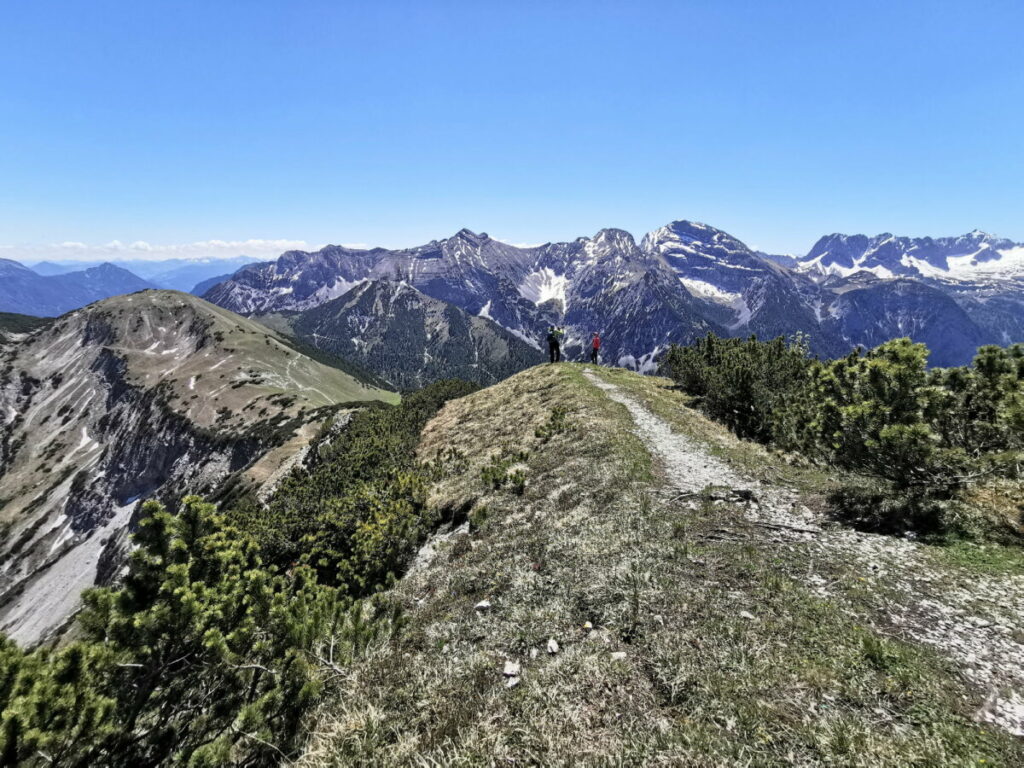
x=202, y=657
x=922, y=434
x=357, y=511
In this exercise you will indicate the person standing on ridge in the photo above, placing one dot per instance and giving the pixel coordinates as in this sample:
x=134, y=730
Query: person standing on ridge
x=595, y=347
x=554, y=346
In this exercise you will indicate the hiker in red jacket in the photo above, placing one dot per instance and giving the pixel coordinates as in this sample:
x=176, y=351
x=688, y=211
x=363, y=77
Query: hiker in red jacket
x=595, y=347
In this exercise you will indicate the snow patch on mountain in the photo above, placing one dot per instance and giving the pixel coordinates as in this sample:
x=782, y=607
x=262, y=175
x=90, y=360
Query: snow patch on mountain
x=339, y=287
x=840, y=271
x=705, y=290
x=743, y=313
x=984, y=262
x=543, y=285
x=528, y=339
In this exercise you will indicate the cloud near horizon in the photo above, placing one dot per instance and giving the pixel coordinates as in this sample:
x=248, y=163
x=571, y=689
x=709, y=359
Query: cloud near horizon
x=264, y=250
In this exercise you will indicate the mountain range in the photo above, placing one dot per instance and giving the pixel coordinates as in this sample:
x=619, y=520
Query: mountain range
x=680, y=282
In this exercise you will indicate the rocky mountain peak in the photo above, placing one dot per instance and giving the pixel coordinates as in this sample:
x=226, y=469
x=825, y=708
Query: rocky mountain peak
x=970, y=255
x=692, y=236
x=612, y=241
x=470, y=235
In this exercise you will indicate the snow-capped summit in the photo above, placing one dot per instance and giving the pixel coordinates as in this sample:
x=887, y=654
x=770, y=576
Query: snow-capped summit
x=975, y=255
x=700, y=253
x=682, y=235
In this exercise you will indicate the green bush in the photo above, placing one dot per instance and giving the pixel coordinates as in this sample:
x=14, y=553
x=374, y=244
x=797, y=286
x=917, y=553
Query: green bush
x=923, y=434
x=741, y=382
x=555, y=425
x=877, y=509
x=498, y=472
x=358, y=511
x=201, y=657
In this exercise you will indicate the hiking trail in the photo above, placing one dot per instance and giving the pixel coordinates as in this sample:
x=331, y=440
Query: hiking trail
x=973, y=619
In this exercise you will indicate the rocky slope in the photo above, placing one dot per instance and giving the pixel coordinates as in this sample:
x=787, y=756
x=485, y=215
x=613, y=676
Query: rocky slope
x=683, y=280
x=410, y=339
x=869, y=311
x=26, y=292
x=152, y=394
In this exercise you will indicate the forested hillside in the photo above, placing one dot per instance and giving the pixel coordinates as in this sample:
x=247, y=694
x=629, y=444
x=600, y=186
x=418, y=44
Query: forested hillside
x=410, y=339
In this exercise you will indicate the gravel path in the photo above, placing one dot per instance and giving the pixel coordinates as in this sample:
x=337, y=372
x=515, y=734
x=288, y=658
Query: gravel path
x=977, y=621
x=689, y=467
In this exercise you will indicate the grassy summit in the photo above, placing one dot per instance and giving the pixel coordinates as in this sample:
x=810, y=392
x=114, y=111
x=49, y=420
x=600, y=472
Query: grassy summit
x=595, y=612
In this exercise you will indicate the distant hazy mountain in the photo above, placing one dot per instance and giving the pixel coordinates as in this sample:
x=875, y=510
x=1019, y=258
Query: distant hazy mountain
x=183, y=274
x=48, y=268
x=411, y=339
x=784, y=259
x=156, y=394
x=175, y=274
x=683, y=280
x=24, y=291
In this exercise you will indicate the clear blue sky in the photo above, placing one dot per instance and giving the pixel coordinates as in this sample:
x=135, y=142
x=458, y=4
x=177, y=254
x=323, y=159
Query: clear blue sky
x=393, y=123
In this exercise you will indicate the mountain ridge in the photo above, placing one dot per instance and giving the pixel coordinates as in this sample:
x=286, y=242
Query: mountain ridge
x=680, y=281
x=152, y=394
x=411, y=339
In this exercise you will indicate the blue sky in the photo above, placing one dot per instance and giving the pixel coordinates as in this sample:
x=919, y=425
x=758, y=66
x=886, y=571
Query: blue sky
x=393, y=123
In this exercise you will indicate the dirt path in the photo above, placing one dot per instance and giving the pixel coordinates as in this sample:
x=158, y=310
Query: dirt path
x=974, y=620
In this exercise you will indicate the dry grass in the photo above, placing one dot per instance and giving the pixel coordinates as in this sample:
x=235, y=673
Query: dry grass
x=682, y=639
x=664, y=399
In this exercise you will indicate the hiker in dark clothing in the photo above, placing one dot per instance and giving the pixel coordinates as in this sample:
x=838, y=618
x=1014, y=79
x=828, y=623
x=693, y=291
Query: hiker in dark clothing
x=555, y=343
x=595, y=347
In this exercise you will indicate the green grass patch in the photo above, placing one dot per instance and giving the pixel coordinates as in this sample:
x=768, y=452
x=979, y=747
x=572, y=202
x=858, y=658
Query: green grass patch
x=994, y=559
